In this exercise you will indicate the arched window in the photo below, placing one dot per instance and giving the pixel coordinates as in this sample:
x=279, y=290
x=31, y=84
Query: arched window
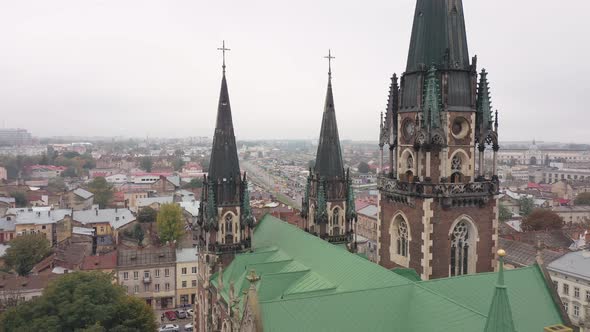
x=456, y=164
x=460, y=248
x=336, y=216
x=402, y=238
x=410, y=162
x=228, y=223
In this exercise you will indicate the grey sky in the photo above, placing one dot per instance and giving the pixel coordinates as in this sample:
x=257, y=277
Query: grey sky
x=137, y=68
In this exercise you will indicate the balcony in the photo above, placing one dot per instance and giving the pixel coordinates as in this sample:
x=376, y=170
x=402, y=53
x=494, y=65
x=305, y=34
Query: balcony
x=147, y=280
x=443, y=190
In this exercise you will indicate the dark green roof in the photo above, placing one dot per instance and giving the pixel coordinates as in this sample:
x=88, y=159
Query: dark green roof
x=407, y=273
x=307, y=284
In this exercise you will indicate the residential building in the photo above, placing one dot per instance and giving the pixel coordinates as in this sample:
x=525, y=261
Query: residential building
x=149, y=273
x=571, y=278
x=3, y=174
x=77, y=199
x=132, y=196
x=553, y=174
x=5, y=204
x=29, y=221
x=186, y=276
x=15, y=290
x=7, y=228
x=153, y=202
x=106, y=263
x=45, y=171
x=105, y=221
x=366, y=231
x=573, y=214
x=15, y=136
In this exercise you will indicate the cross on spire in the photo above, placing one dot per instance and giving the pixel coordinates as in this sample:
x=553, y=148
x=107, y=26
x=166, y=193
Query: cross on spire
x=329, y=57
x=223, y=49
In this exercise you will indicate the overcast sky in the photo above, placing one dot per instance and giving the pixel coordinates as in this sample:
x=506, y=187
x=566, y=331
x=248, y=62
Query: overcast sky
x=137, y=68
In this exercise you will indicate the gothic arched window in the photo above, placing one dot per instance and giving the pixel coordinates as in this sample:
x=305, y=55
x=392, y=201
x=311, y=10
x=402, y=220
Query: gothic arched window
x=335, y=217
x=456, y=164
x=410, y=162
x=229, y=223
x=460, y=248
x=402, y=238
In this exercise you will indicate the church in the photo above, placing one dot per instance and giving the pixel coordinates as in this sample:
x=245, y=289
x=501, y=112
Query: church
x=439, y=265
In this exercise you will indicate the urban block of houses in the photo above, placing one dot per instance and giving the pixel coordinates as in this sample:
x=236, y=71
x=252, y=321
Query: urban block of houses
x=44, y=171
x=186, y=276
x=16, y=289
x=573, y=214
x=153, y=202
x=77, y=199
x=105, y=221
x=149, y=273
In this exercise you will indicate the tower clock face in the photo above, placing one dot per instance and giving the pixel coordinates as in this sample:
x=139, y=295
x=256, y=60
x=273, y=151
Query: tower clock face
x=408, y=129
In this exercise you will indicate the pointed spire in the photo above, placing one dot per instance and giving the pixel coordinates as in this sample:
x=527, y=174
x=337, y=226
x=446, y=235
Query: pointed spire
x=500, y=314
x=389, y=128
x=329, y=156
x=432, y=99
x=483, y=103
x=224, y=154
x=438, y=36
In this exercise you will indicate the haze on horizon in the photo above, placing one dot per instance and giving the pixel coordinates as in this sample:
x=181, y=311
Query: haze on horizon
x=151, y=68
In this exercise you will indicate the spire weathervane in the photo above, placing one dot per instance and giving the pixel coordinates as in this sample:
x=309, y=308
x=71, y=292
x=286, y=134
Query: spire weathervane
x=223, y=49
x=329, y=57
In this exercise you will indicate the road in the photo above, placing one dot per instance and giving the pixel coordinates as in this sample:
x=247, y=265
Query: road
x=270, y=182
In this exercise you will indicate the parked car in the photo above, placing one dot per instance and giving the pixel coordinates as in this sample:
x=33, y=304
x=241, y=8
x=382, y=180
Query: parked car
x=180, y=314
x=188, y=327
x=190, y=312
x=169, y=328
x=171, y=315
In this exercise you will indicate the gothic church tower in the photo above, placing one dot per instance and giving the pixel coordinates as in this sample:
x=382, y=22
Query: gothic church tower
x=328, y=204
x=438, y=204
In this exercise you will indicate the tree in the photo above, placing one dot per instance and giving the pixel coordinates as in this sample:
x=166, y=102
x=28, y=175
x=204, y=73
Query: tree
x=138, y=233
x=504, y=213
x=70, y=172
x=25, y=251
x=56, y=185
x=102, y=190
x=363, y=167
x=20, y=199
x=582, y=199
x=178, y=164
x=147, y=214
x=71, y=154
x=81, y=301
x=542, y=219
x=146, y=164
x=526, y=205
x=170, y=223
x=194, y=183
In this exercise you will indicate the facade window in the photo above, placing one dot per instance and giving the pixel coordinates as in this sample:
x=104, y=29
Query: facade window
x=460, y=249
x=146, y=287
x=184, y=284
x=402, y=238
x=576, y=310
x=157, y=273
x=146, y=274
x=566, y=289
x=157, y=287
x=125, y=275
x=566, y=307
x=184, y=270
x=101, y=229
x=194, y=283
x=588, y=296
x=167, y=286
x=136, y=289
x=166, y=272
x=194, y=269
x=576, y=292
x=135, y=275
x=555, y=284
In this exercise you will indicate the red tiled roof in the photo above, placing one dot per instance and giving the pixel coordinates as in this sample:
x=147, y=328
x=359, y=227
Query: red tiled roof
x=102, y=262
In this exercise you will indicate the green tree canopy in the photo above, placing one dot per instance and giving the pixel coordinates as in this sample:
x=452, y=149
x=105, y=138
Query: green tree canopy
x=146, y=164
x=138, y=233
x=504, y=213
x=582, y=199
x=542, y=219
x=20, y=199
x=194, y=183
x=102, y=190
x=170, y=223
x=25, y=251
x=147, y=214
x=178, y=164
x=81, y=301
x=363, y=167
x=56, y=185
x=527, y=204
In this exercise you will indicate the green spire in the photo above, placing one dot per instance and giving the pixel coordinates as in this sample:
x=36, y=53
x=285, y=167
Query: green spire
x=211, y=220
x=350, y=206
x=484, y=103
x=500, y=314
x=246, y=213
x=432, y=104
x=321, y=214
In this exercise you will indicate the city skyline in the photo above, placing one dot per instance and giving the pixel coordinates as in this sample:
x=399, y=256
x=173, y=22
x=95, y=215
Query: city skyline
x=154, y=70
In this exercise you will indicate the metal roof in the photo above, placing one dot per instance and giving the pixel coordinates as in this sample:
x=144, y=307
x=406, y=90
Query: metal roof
x=574, y=263
x=85, y=194
x=328, y=162
x=186, y=255
x=115, y=217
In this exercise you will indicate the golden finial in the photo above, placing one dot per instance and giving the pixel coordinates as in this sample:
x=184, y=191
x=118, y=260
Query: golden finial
x=501, y=252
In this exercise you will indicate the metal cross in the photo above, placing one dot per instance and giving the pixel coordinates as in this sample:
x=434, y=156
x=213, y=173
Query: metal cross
x=329, y=57
x=223, y=49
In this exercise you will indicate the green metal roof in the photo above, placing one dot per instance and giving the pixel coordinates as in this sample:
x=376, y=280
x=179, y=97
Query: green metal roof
x=307, y=284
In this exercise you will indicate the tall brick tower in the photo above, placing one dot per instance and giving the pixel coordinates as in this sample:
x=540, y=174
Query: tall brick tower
x=438, y=205
x=328, y=204
x=225, y=219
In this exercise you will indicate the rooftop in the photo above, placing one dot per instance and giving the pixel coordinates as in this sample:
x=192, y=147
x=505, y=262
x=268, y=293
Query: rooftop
x=186, y=255
x=41, y=217
x=85, y=194
x=151, y=200
x=127, y=258
x=575, y=263
x=115, y=217
x=101, y=262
